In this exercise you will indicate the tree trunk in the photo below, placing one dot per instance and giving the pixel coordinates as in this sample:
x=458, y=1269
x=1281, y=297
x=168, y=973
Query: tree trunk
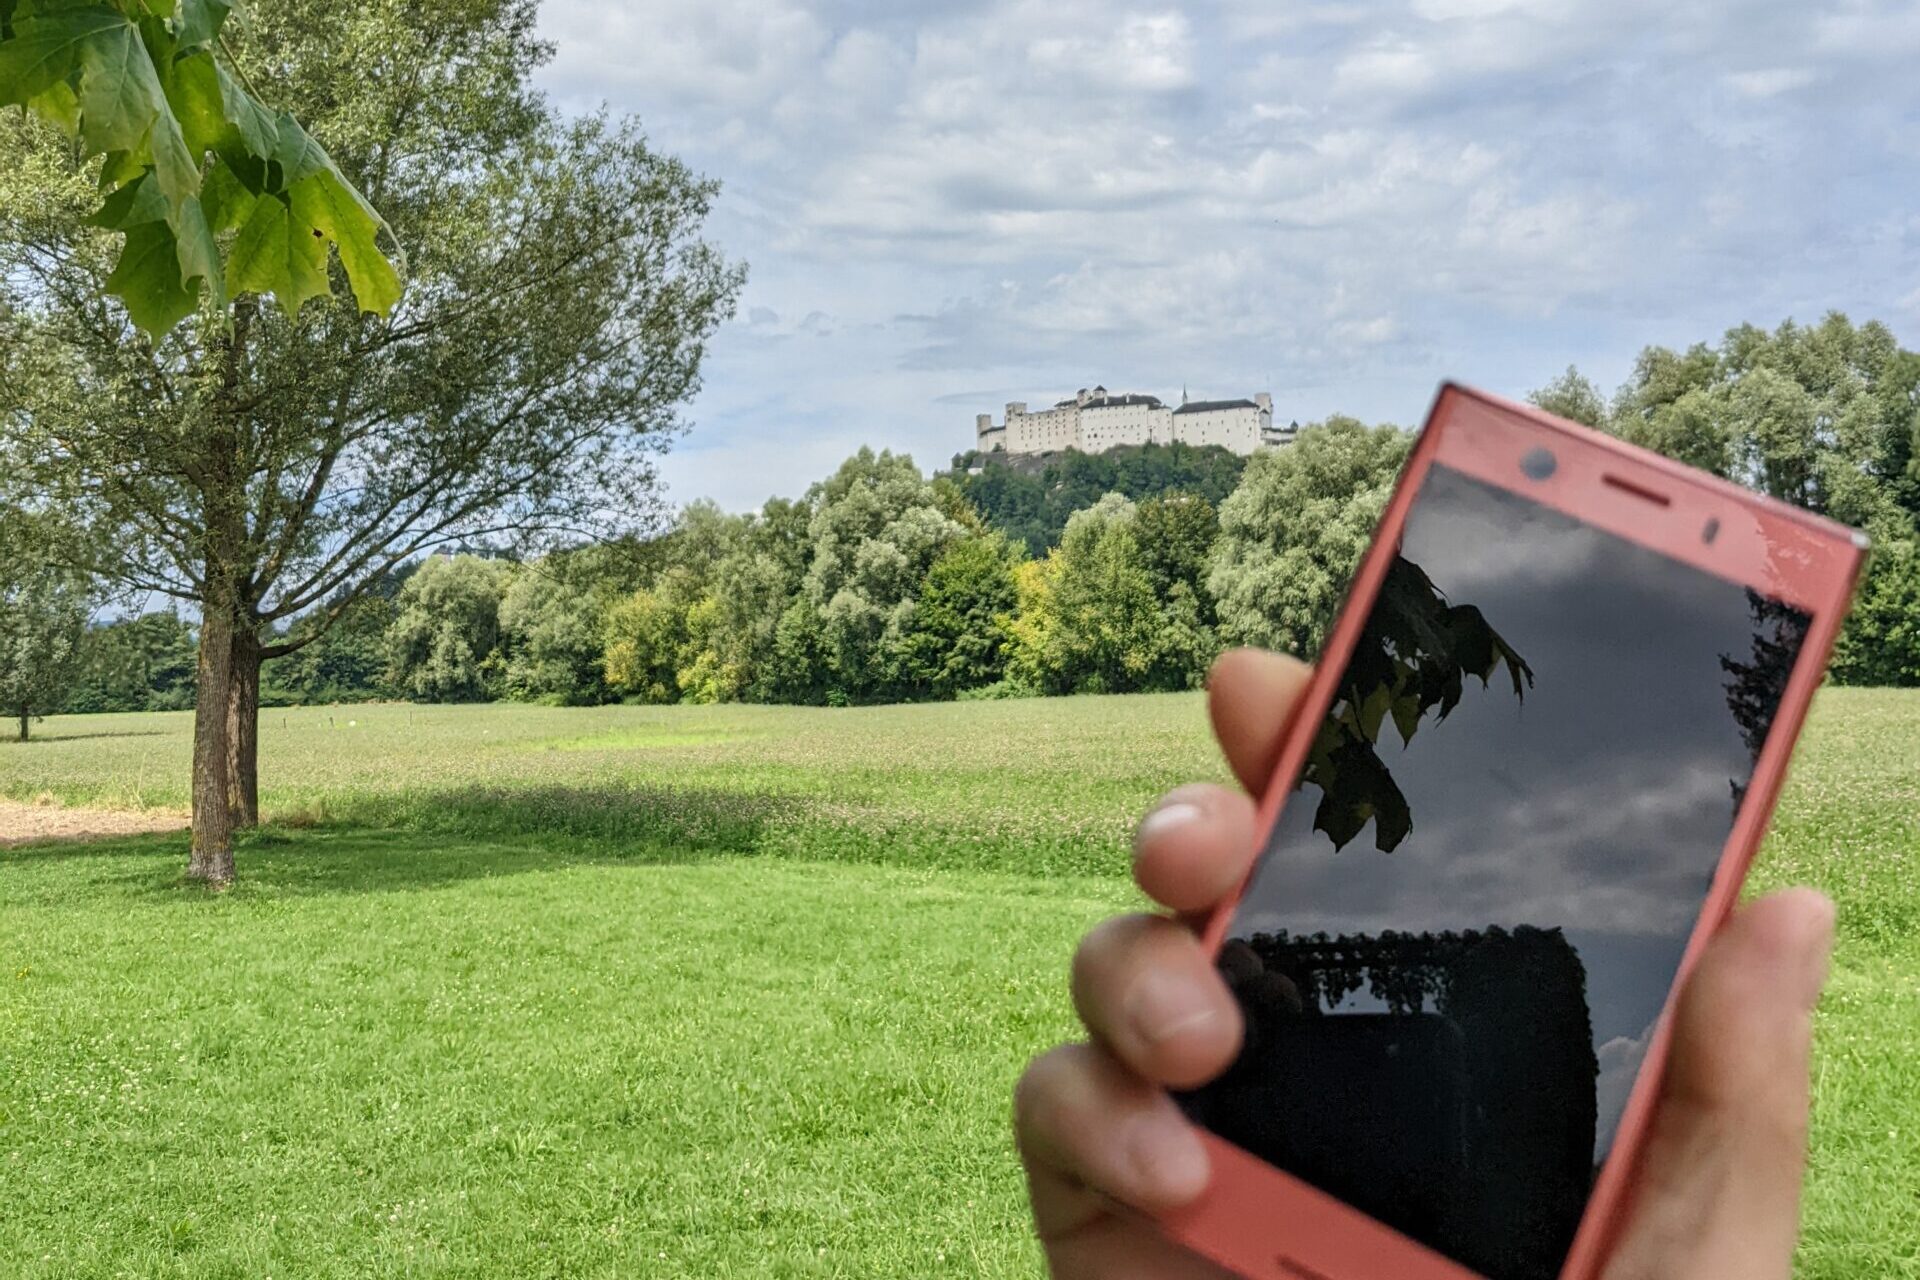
x=222, y=485
x=23, y=726
x=212, y=817
x=243, y=732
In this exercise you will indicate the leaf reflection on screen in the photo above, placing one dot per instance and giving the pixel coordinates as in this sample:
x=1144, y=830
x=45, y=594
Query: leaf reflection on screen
x=1411, y=662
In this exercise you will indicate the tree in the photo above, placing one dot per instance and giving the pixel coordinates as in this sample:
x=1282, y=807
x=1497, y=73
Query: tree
x=700, y=629
x=188, y=155
x=1031, y=501
x=958, y=633
x=1821, y=416
x=444, y=642
x=550, y=628
x=1826, y=417
x=1033, y=625
x=1573, y=397
x=736, y=576
x=1176, y=534
x=275, y=466
x=1293, y=533
x=348, y=661
x=754, y=587
x=1881, y=644
x=43, y=619
x=644, y=636
x=135, y=664
x=799, y=671
x=1101, y=626
x=877, y=528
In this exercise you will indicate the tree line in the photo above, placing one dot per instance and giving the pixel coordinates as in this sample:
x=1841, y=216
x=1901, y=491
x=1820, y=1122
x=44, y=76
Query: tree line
x=1824, y=416
x=883, y=584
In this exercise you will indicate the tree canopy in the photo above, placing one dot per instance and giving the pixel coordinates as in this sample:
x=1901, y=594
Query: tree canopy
x=44, y=607
x=143, y=663
x=1030, y=500
x=1293, y=533
x=1824, y=416
x=444, y=640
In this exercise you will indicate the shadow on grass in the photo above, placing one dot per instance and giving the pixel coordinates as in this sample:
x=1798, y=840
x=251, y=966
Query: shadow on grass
x=432, y=840
x=41, y=736
x=429, y=839
x=615, y=814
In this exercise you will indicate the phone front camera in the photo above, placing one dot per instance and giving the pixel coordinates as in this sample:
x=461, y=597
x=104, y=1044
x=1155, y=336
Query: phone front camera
x=1539, y=464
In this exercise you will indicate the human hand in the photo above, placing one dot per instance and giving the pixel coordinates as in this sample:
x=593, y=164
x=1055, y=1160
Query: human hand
x=1719, y=1193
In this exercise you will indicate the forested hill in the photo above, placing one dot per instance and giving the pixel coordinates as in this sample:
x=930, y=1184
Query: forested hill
x=1029, y=497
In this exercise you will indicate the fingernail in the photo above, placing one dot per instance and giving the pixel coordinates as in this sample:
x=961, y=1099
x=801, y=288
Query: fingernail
x=1162, y=1005
x=1166, y=820
x=1168, y=1156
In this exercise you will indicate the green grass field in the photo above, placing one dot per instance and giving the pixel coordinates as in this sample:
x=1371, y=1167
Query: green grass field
x=514, y=992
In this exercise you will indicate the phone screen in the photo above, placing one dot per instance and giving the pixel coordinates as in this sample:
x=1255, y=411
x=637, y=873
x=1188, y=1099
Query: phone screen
x=1453, y=951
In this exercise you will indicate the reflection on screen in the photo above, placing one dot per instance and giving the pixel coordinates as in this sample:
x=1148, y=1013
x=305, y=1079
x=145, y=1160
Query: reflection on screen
x=1453, y=953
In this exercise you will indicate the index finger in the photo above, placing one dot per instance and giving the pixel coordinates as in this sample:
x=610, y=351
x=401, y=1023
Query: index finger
x=1252, y=696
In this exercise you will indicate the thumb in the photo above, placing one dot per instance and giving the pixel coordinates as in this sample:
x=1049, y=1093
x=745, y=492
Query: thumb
x=1719, y=1189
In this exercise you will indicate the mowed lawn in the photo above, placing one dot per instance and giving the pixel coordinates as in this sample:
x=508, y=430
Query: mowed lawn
x=512, y=992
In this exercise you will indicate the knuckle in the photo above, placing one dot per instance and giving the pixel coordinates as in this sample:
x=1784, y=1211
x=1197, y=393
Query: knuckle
x=1202, y=795
x=1105, y=946
x=1040, y=1093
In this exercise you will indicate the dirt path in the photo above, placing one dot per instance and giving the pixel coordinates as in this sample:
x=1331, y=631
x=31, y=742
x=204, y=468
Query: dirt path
x=26, y=823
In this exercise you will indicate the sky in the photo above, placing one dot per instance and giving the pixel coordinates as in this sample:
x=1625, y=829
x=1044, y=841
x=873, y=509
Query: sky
x=944, y=207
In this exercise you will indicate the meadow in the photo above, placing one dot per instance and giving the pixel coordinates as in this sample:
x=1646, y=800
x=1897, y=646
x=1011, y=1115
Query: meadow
x=732, y=991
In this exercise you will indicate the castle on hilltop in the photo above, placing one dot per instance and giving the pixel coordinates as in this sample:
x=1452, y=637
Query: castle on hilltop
x=1097, y=420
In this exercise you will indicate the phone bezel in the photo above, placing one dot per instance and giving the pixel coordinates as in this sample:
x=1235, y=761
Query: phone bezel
x=1268, y=1225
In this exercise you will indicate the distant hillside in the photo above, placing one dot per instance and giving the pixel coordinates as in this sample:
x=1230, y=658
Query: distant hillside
x=1029, y=497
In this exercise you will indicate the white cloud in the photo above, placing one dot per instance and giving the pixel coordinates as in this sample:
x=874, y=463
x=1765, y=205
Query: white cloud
x=1394, y=69
x=1772, y=82
x=1366, y=333
x=732, y=54
x=1267, y=22
x=1456, y=10
x=1869, y=29
x=741, y=476
x=1145, y=51
x=1620, y=1061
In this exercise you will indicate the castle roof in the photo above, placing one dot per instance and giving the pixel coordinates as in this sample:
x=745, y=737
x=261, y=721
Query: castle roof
x=1210, y=406
x=1109, y=401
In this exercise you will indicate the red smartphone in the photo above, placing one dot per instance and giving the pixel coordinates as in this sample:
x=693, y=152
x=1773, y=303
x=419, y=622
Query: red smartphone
x=1522, y=790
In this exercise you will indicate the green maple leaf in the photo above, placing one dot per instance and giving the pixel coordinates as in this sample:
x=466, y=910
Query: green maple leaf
x=199, y=21
x=326, y=206
x=226, y=200
x=133, y=205
x=44, y=50
x=59, y=105
x=155, y=229
x=141, y=85
x=147, y=279
x=124, y=108
x=269, y=257
x=194, y=94
x=296, y=156
x=197, y=252
x=259, y=128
